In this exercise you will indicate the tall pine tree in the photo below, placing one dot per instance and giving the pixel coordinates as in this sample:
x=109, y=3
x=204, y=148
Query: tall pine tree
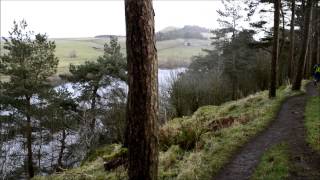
x=275, y=50
x=304, y=49
x=142, y=108
x=29, y=61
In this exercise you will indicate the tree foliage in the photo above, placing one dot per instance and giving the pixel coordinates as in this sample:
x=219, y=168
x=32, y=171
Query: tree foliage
x=28, y=63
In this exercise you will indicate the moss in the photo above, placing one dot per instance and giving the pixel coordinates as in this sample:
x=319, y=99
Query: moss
x=184, y=132
x=100, y=152
x=169, y=162
x=119, y=152
x=275, y=164
x=92, y=167
x=90, y=171
x=190, y=171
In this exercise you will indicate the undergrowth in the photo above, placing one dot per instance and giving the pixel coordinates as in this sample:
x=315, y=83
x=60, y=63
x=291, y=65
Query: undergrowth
x=197, y=146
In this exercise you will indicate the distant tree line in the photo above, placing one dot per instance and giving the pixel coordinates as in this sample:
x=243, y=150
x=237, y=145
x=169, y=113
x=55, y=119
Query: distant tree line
x=187, y=32
x=107, y=36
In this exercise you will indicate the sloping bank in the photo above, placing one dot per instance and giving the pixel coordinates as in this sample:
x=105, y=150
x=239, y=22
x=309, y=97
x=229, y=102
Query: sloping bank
x=278, y=162
x=312, y=122
x=197, y=146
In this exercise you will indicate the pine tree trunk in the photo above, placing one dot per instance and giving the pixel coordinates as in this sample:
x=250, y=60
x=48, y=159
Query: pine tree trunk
x=291, y=53
x=317, y=40
x=39, y=150
x=315, y=49
x=234, y=81
x=275, y=50
x=309, y=58
x=314, y=37
x=302, y=59
x=142, y=108
x=29, y=139
x=318, y=51
x=62, y=147
x=305, y=65
x=281, y=42
x=93, y=109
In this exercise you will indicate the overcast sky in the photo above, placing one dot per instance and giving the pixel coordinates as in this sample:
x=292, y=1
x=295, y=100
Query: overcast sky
x=90, y=18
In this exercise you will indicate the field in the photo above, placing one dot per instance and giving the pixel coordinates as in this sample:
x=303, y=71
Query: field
x=171, y=53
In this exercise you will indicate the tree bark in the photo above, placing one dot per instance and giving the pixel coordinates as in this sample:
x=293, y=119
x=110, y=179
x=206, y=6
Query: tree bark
x=142, y=107
x=281, y=42
x=318, y=35
x=308, y=70
x=93, y=108
x=316, y=50
x=318, y=45
x=297, y=81
x=234, y=81
x=39, y=150
x=62, y=147
x=291, y=53
x=275, y=50
x=29, y=139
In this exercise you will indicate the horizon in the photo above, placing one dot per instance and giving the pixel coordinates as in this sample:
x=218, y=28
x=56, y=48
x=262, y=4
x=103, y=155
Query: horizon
x=84, y=19
x=112, y=34
x=83, y=37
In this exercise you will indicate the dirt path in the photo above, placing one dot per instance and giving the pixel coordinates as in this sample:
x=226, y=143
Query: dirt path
x=288, y=127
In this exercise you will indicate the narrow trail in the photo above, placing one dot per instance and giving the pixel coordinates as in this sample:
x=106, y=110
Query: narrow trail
x=287, y=127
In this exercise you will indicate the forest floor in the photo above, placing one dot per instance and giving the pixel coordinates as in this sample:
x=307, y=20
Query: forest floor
x=289, y=128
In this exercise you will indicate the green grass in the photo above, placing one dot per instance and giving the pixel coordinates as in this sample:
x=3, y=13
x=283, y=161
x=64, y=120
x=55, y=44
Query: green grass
x=190, y=148
x=275, y=164
x=2, y=77
x=213, y=149
x=312, y=122
x=171, y=53
x=83, y=49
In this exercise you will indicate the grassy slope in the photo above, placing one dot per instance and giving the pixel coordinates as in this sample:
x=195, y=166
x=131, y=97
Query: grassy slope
x=312, y=123
x=83, y=49
x=213, y=149
x=1, y=48
x=2, y=77
x=275, y=164
x=171, y=53
x=190, y=147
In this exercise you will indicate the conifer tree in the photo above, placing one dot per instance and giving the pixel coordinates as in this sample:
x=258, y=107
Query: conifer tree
x=142, y=108
x=275, y=50
x=29, y=61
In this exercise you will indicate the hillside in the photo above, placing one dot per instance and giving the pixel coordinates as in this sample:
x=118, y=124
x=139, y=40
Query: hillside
x=171, y=53
x=1, y=46
x=197, y=146
x=186, y=32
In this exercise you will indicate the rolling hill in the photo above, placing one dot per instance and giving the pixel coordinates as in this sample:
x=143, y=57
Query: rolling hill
x=171, y=53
